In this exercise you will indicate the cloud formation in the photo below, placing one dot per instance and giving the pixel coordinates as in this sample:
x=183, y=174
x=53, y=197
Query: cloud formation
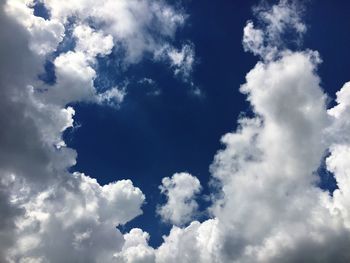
x=268, y=208
x=73, y=220
x=48, y=213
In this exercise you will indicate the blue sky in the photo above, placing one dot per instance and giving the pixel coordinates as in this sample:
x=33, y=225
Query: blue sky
x=174, y=131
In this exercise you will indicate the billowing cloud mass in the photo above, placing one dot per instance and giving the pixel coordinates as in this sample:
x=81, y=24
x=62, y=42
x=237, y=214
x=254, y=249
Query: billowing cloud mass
x=47, y=213
x=75, y=216
x=269, y=207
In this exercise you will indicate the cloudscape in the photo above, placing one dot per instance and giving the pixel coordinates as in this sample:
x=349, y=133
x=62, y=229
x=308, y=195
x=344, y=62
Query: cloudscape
x=154, y=131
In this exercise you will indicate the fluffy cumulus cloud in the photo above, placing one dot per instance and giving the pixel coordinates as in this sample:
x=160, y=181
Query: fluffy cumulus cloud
x=269, y=207
x=73, y=219
x=47, y=213
x=180, y=191
x=136, y=248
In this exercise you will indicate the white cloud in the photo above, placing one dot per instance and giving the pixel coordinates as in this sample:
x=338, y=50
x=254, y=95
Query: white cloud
x=136, y=248
x=181, y=60
x=74, y=79
x=340, y=115
x=253, y=39
x=180, y=191
x=112, y=96
x=281, y=17
x=343, y=100
x=45, y=35
x=196, y=243
x=129, y=22
x=137, y=28
x=274, y=21
x=338, y=161
x=270, y=208
x=267, y=172
x=74, y=219
x=49, y=214
x=92, y=42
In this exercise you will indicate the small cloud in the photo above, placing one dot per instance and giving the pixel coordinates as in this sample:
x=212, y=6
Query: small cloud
x=180, y=191
x=196, y=91
x=151, y=85
x=148, y=81
x=180, y=60
x=113, y=96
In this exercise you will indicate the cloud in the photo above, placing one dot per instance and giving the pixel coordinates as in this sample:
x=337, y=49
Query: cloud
x=44, y=35
x=48, y=213
x=151, y=86
x=181, y=60
x=267, y=172
x=195, y=243
x=136, y=248
x=111, y=96
x=136, y=26
x=340, y=115
x=269, y=207
x=73, y=220
x=26, y=147
x=131, y=29
x=275, y=22
x=180, y=191
x=92, y=42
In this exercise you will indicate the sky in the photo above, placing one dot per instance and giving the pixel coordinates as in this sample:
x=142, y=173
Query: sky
x=174, y=131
